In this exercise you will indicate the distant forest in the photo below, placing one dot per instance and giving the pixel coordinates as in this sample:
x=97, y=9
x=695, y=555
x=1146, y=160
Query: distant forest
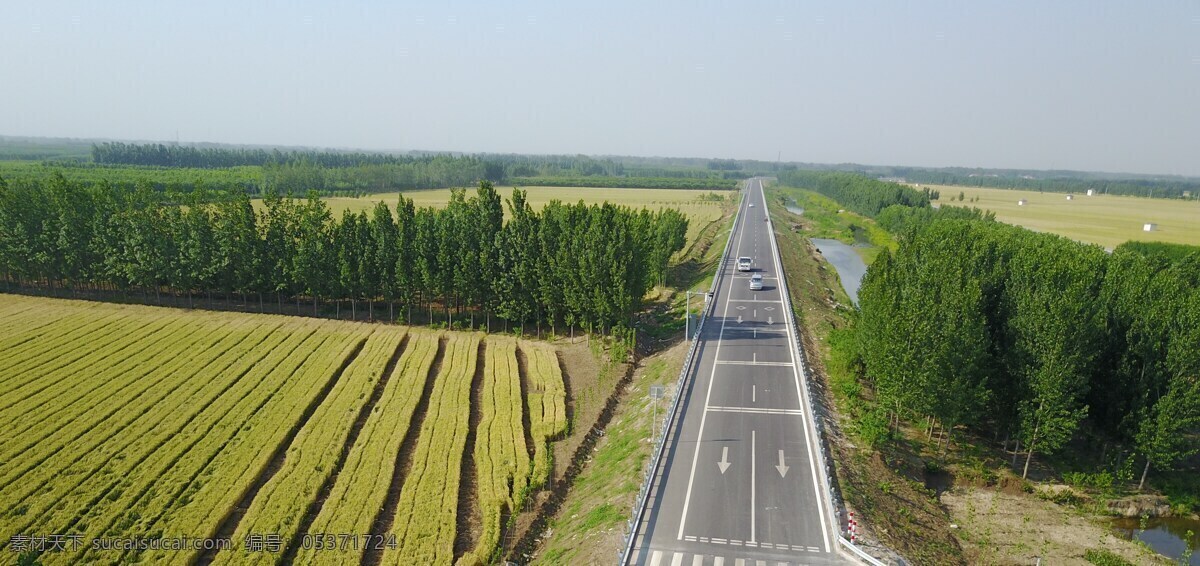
x=180, y=167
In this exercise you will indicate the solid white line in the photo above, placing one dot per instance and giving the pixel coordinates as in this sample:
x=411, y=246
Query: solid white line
x=677, y=559
x=687, y=497
x=698, y=560
x=808, y=440
x=752, y=504
x=753, y=363
x=656, y=558
x=753, y=301
x=753, y=393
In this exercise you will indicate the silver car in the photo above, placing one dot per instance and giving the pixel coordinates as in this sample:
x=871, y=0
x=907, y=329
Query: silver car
x=756, y=282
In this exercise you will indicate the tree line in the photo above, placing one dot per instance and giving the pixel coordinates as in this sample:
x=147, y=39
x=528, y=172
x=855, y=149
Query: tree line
x=856, y=192
x=1139, y=187
x=573, y=264
x=693, y=183
x=980, y=324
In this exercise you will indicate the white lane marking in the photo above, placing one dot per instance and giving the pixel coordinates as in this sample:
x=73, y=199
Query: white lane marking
x=805, y=425
x=782, y=467
x=754, y=362
x=740, y=562
x=718, y=561
x=656, y=558
x=760, y=562
x=724, y=463
x=753, y=393
x=753, y=505
x=698, y=560
x=754, y=410
x=687, y=497
x=677, y=559
x=753, y=301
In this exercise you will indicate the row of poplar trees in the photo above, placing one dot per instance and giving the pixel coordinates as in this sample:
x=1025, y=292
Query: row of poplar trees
x=1031, y=335
x=979, y=324
x=574, y=264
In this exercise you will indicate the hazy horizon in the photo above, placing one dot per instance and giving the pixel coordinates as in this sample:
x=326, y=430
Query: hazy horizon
x=1075, y=85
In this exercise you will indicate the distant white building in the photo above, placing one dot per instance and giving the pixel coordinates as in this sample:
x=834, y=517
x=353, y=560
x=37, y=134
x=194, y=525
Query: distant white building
x=1022, y=202
x=1149, y=227
x=1091, y=192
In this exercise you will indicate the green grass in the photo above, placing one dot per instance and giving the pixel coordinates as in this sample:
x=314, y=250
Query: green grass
x=1107, y=220
x=604, y=493
x=1102, y=557
x=822, y=219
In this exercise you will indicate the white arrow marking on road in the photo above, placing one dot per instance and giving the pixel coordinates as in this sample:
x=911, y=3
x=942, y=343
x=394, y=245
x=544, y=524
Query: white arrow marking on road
x=724, y=463
x=770, y=320
x=739, y=319
x=782, y=468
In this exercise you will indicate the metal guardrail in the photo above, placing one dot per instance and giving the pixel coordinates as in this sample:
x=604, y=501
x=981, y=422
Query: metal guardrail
x=836, y=506
x=859, y=553
x=660, y=441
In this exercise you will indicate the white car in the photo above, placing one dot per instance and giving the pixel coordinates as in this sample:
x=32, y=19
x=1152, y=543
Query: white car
x=743, y=263
x=751, y=205
x=756, y=282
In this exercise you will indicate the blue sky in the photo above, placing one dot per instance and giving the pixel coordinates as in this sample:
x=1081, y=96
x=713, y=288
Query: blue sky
x=1080, y=85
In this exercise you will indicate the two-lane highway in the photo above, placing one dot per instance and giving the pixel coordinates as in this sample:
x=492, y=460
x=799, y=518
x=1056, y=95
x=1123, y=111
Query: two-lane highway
x=739, y=482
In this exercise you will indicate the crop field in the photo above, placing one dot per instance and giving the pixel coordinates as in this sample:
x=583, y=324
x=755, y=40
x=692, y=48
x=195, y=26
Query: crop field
x=298, y=440
x=691, y=203
x=1108, y=220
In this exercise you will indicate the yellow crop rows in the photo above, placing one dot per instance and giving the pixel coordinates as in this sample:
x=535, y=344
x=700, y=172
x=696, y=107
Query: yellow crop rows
x=547, y=406
x=90, y=473
x=204, y=503
x=311, y=456
x=125, y=421
x=362, y=485
x=171, y=468
x=502, y=464
x=424, y=526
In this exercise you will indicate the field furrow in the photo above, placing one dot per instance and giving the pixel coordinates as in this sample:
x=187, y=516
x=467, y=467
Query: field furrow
x=169, y=469
x=126, y=421
x=21, y=320
x=63, y=342
x=142, y=381
x=214, y=494
x=502, y=463
x=55, y=386
x=431, y=488
x=362, y=483
x=94, y=470
x=547, y=401
x=312, y=456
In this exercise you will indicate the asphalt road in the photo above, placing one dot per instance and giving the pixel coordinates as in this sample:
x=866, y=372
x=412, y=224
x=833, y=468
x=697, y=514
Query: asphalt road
x=739, y=481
